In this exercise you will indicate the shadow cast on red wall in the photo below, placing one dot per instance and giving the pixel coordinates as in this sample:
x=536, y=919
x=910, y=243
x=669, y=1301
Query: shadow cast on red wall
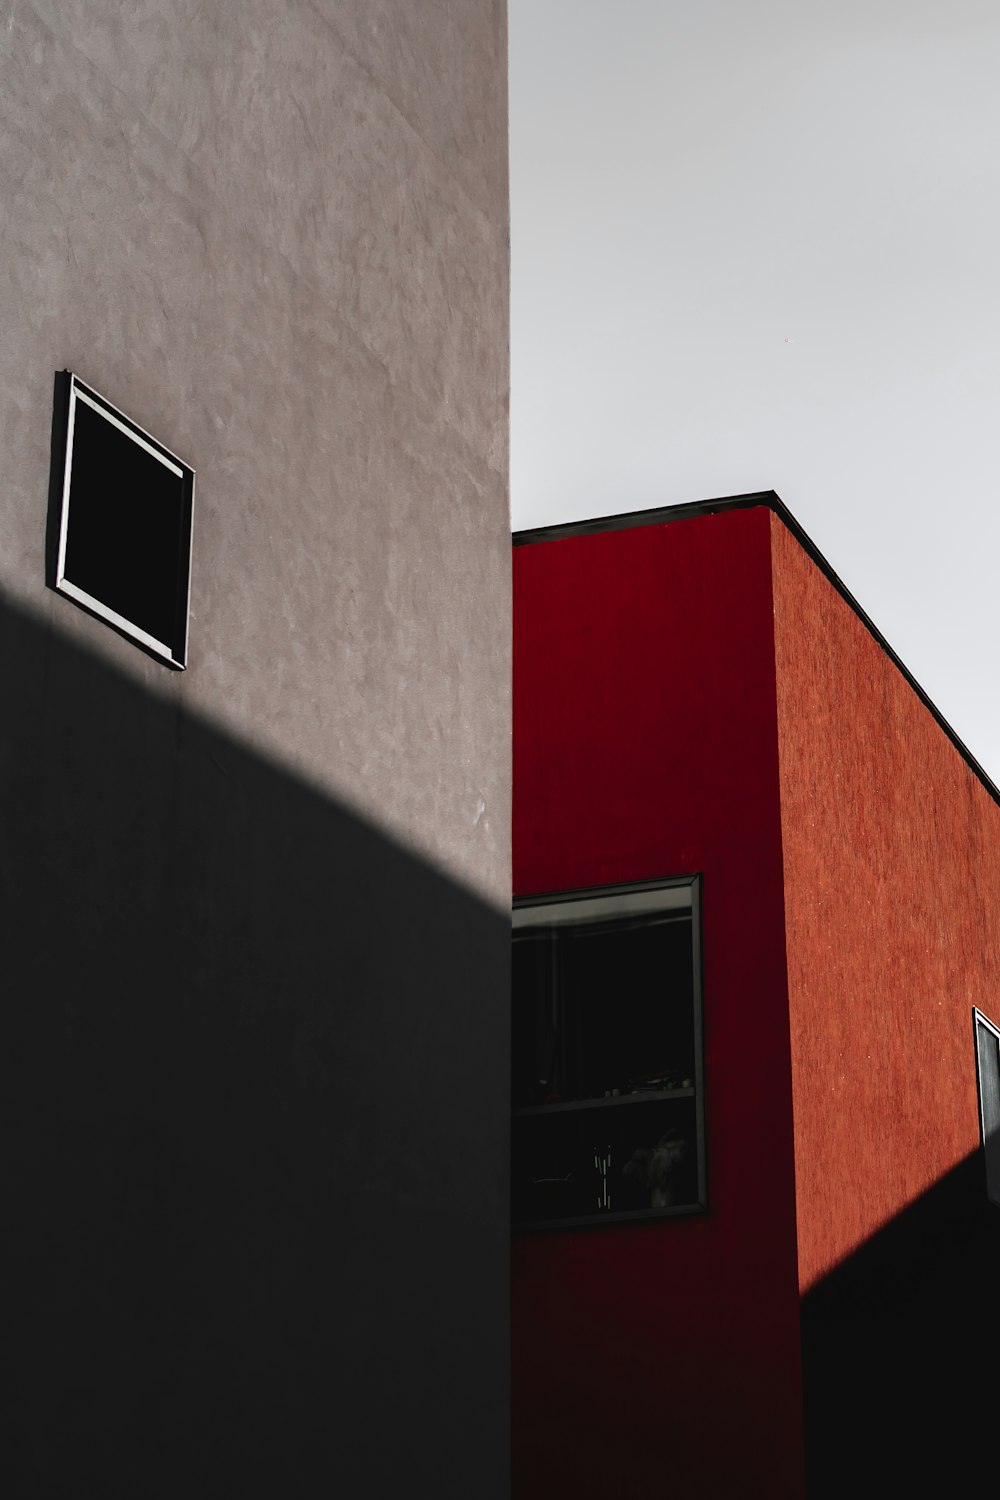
x=901, y=1374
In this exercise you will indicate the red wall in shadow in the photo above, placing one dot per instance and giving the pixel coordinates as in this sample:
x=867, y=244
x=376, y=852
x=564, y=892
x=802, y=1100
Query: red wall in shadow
x=664, y=1358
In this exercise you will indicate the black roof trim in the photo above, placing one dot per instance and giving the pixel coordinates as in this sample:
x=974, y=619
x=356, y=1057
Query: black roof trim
x=665, y=514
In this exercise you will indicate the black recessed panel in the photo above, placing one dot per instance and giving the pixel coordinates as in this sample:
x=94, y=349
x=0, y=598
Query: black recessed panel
x=127, y=526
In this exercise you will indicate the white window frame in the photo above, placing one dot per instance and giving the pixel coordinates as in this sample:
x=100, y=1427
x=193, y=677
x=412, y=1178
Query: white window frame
x=79, y=392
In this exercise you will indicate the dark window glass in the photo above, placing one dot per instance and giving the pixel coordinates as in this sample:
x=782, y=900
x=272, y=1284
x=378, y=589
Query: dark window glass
x=988, y=1059
x=602, y=1007
x=606, y=1064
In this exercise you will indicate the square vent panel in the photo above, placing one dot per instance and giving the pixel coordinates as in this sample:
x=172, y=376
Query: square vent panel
x=124, y=536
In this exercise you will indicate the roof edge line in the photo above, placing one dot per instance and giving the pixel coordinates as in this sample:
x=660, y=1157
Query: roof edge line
x=664, y=515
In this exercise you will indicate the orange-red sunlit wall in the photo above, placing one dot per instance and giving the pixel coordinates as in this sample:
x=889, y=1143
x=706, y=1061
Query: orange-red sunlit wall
x=664, y=1358
x=892, y=877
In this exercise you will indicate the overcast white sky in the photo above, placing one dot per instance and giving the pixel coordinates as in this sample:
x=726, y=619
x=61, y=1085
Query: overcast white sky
x=756, y=245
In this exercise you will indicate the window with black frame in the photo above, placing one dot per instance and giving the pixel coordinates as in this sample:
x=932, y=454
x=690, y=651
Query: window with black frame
x=608, y=1119
x=988, y=1077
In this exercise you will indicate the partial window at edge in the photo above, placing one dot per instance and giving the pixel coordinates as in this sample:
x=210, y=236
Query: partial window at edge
x=988, y=1074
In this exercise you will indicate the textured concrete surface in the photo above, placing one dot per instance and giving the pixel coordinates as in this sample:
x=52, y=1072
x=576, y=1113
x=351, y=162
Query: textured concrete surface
x=253, y=1063
x=254, y=1059
x=276, y=235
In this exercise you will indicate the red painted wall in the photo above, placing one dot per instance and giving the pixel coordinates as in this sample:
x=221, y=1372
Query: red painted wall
x=892, y=895
x=664, y=1358
x=892, y=889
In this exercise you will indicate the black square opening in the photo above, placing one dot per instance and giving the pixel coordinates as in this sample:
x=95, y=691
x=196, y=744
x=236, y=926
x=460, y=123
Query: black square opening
x=124, y=539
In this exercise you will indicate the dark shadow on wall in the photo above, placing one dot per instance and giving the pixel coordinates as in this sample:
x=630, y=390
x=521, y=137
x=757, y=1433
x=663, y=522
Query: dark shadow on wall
x=901, y=1372
x=255, y=1095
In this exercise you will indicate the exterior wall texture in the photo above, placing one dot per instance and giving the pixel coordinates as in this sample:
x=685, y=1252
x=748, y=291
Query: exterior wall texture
x=699, y=695
x=892, y=877
x=892, y=892
x=256, y=957
x=276, y=235
x=665, y=1357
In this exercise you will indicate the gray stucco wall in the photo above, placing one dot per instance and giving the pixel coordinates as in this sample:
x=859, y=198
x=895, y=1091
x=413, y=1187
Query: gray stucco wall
x=276, y=235
x=255, y=1023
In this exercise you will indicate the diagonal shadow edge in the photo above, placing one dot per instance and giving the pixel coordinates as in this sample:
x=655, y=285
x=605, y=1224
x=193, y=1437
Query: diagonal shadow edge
x=901, y=1381
x=255, y=1093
